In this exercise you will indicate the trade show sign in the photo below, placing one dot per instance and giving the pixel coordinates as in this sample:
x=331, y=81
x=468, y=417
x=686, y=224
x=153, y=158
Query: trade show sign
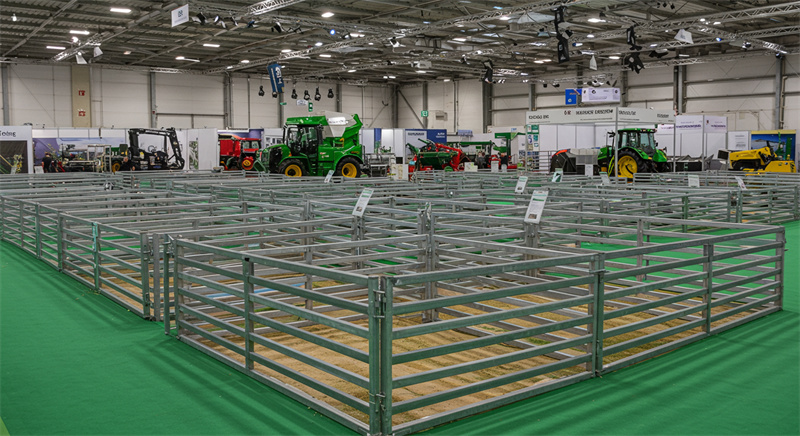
x=600, y=95
x=599, y=115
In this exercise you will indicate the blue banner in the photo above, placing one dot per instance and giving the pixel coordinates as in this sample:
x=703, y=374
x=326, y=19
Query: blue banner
x=437, y=135
x=276, y=78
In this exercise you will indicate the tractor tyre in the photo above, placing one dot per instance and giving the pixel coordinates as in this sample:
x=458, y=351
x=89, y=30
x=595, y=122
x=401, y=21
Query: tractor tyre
x=292, y=168
x=247, y=163
x=348, y=167
x=630, y=163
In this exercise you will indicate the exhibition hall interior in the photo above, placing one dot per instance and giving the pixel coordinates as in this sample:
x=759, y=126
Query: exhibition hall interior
x=373, y=217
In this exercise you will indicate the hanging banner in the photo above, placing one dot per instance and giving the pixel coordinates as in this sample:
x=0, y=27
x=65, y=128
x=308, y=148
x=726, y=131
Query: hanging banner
x=601, y=115
x=689, y=124
x=713, y=124
x=600, y=95
x=180, y=15
x=276, y=78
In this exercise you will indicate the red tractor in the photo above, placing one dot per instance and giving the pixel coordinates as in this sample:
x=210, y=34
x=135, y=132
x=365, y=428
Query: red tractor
x=435, y=156
x=237, y=153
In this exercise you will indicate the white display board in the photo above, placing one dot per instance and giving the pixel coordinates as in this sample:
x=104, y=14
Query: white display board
x=13, y=136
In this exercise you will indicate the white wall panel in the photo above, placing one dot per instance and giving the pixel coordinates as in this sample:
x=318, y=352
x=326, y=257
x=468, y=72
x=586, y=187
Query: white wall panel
x=470, y=104
x=40, y=94
x=407, y=117
x=120, y=98
x=189, y=94
x=241, y=110
x=373, y=104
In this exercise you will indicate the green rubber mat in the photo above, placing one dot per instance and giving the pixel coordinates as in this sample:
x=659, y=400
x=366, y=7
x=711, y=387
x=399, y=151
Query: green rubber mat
x=73, y=362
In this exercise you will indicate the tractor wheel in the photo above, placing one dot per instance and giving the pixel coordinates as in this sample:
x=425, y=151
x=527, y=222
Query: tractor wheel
x=348, y=167
x=630, y=163
x=247, y=163
x=292, y=168
x=115, y=166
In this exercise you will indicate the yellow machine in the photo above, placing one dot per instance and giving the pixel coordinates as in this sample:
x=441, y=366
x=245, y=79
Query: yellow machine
x=762, y=159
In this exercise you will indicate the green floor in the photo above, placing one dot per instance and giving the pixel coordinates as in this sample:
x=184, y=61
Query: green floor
x=73, y=362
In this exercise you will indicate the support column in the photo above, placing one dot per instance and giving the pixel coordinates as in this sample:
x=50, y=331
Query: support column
x=339, y=98
x=227, y=101
x=424, y=103
x=623, y=98
x=680, y=78
x=779, y=66
x=153, y=108
x=281, y=110
x=4, y=84
x=396, y=107
x=249, y=108
x=532, y=97
x=486, y=92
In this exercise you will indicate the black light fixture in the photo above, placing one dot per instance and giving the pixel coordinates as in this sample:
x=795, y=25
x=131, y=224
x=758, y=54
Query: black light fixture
x=274, y=94
x=306, y=95
x=563, y=49
x=569, y=33
x=544, y=85
x=216, y=19
x=658, y=54
x=556, y=85
x=330, y=92
x=201, y=17
x=317, y=95
x=779, y=55
x=277, y=28
x=633, y=62
x=394, y=42
x=631, y=38
x=234, y=21
x=261, y=91
x=464, y=59
x=251, y=24
x=746, y=45
x=294, y=94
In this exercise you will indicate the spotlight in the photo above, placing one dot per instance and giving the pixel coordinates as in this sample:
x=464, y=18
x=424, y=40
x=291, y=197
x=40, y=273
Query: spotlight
x=556, y=85
x=201, y=17
x=261, y=91
x=330, y=92
x=277, y=28
x=332, y=32
x=563, y=49
x=306, y=95
x=746, y=45
x=216, y=19
x=97, y=52
x=14, y=17
x=672, y=6
x=569, y=33
x=633, y=62
x=544, y=85
x=274, y=94
x=464, y=60
x=79, y=58
x=235, y=23
x=543, y=34
x=294, y=94
x=631, y=39
x=317, y=96
x=394, y=42
x=718, y=39
x=779, y=55
x=658, y=54
x=251, y=24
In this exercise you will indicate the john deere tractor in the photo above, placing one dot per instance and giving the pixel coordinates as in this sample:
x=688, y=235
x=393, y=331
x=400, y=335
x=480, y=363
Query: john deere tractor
x=638, y=153
x=314, y=145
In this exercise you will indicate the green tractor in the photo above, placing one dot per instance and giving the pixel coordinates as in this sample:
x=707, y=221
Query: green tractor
x=314, y=145
x=638, y=153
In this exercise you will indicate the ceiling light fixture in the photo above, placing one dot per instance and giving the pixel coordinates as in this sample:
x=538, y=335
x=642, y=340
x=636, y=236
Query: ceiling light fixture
x=56, y=47
x=717, y=23
x=317, y=44
x=180, y=58
x=121, y=10
x=127, y=52
x=317, y=95
x=277, y=28
x=615, y=57
x=394, y=42
x=327, y=14
x=324, y=55
x=286, y=50
x=251, y=24
x=330, y=92
x=460, y=39
x=211, y=45
x=74, y=39
x=306, y=95
x=294, y=94
x=14, y=17
x=505, y=18
x=261, y=92
x=596, y=20
x=245, y=61
x=351, y=71
x=79, y=32
x=200, y=17
x=234, y=21
x=97, y=52
x=590, y=36
x=79, y=58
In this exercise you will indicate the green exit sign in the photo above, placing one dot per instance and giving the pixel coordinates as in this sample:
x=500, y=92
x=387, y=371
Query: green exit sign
x=310, y=107
x=424, y=113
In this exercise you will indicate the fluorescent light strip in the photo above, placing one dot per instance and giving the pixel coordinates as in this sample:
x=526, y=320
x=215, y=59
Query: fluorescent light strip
x=121, y=10
x=211, y=45
x=56, y=47
x=79, y=32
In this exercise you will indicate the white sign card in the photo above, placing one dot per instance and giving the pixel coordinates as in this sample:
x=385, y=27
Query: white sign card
x=739, y=180
x=588, y=170
x=470, y=167
x=600, y=95
x=557, y=175
x=536, y=206
x=523, y=180
x=329, y=176
x=363, y=200
x=180, y=15
x=694, y=181
x=604, y=180
x=495, y=166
